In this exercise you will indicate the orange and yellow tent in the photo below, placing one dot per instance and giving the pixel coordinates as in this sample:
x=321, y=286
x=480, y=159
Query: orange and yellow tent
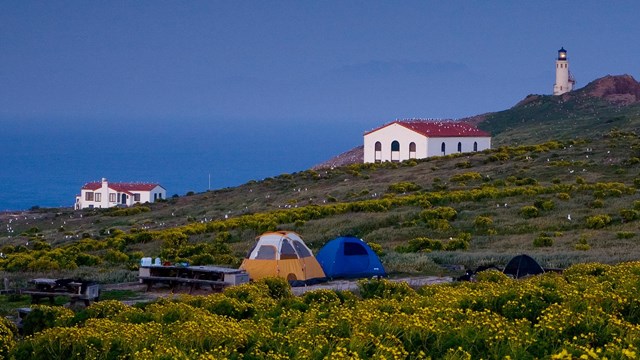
x=282, y=254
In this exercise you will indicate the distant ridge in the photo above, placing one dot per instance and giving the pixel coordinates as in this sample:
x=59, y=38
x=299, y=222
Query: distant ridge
x=618, y=89
x=353, y=156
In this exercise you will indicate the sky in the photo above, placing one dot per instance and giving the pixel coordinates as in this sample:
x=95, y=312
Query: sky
x=371, y=61
x=276, y=86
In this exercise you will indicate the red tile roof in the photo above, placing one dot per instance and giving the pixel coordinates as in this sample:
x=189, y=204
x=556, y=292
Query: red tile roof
x=121, y=187
x=438, y=128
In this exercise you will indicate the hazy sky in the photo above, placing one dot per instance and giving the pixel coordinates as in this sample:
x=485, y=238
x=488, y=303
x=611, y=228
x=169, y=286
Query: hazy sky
x=370, y=61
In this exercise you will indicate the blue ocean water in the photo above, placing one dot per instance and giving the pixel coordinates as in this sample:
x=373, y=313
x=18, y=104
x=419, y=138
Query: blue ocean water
x=45, y=162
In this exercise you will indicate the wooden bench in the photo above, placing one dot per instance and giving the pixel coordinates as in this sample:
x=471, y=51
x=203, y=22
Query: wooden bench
x=36, y=296
x=173, y=281
x=74, y=290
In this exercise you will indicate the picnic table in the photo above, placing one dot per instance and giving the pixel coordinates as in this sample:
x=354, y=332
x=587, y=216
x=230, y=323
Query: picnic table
x=74, y=289
x=216, y=277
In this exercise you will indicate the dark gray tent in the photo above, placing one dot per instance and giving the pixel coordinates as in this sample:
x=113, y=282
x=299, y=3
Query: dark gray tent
x=521, y=266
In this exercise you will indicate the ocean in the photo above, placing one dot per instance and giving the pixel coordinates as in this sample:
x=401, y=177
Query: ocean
x=44, y=163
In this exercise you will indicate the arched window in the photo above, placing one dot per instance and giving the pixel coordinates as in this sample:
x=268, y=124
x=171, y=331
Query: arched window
x=459, y=147
x=412, y=150
x=395, y=150
x=443, y=148
x=475, y=146
x=378, y=152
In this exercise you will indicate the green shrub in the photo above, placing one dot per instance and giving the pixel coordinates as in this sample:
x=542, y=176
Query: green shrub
x=321, y=296
x=483, y=222
x=582, y=247
x=468, y=176
x=596, y=204
x=543, y=240
x=529, y=211
x=456, y=244
x=563, y=196
x=377, y=248
x=526, y=181
x=421, y=244
x=41, y=245
x=384, y=289
x=8, y=333
x=127, y=211
x=545, y=205
x=625, y=234
x=279, y=288
x=439, y=225
x=43, y=317
x=43, y=264
x=629, y=215
x=598, y=221
x=444, y=213
x=116, y=256
x=493, y=276
x=582, y=244
x=18, y=262
x=403, y=187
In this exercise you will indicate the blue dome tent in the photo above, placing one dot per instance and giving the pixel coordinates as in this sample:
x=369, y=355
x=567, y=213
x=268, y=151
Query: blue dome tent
x=349, y=257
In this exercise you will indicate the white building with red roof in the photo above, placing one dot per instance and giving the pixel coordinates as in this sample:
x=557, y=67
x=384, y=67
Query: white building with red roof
x=102, y=194
x=418, y=139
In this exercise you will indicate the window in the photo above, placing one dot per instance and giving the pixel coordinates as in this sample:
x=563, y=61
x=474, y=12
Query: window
x=112, y=197
x=98, y=197
x=395, y=151
x=378, y=152
x=301, y=249
x=352, y=249
x=412, y=150
x=287, y=251
x=459, y=147
x=88, y=196
x=266, y=252
x=475, y=146
x=443, y=148
x=136, y=197
x=159, y=195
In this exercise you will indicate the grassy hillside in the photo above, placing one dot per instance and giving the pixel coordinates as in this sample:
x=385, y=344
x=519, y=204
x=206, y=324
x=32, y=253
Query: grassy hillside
x=550, y=117
x=564, y=201
x=588, y=113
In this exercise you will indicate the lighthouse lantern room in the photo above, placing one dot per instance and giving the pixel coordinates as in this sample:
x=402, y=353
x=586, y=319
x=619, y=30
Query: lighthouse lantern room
x=564, y=79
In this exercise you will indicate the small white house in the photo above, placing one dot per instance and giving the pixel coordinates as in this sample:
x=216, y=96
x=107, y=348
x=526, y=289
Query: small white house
x=418, y=139
x=104, y=194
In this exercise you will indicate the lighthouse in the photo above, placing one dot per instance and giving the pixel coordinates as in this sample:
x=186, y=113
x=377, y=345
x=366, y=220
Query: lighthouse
x=564, y=79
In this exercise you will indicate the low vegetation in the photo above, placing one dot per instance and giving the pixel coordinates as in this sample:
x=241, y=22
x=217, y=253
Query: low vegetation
x=590, y=311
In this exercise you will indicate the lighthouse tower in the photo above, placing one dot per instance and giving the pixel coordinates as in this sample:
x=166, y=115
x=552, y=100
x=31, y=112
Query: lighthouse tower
x=564, y=79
